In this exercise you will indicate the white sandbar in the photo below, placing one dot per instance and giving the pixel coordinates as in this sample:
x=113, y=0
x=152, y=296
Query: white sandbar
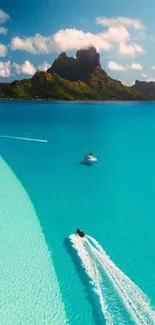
x=29, y=290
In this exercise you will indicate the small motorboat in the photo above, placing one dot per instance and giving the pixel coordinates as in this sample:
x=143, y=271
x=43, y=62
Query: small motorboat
x=90, y=159
x=80, y=233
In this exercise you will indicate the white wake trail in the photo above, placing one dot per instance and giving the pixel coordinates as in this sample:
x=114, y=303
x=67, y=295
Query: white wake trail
x=132, y=296
x=92, y=272
x=21, y=138
x=126, y=299
x=98, y=265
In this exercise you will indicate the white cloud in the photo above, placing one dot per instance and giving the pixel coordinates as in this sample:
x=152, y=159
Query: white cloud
x=125, y=21
x=116, y=66
x=71, y=39
x=116, y=34
x=5, y=69
x=26, y=68
x=43, y=66
x=63, y=40
x=3, y=30
x=112, y=65
x=135, y=66
x=130, y=49
x=153, y=67
x=27, y=44
x=3, y=50
x=3, y=16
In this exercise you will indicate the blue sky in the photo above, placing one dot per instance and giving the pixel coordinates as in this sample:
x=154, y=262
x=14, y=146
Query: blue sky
x=33, y=33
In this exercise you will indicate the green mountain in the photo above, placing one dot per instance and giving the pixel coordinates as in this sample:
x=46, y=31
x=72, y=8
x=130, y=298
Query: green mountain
x=80, y=78
x=147, y=88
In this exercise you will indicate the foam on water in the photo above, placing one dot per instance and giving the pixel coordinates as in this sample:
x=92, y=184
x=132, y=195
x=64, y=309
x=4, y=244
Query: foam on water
x=29, y=290
x=137, y=303
x=96, y=263
x=92, y=271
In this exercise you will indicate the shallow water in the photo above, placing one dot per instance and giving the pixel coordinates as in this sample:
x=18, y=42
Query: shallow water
x=112, y=201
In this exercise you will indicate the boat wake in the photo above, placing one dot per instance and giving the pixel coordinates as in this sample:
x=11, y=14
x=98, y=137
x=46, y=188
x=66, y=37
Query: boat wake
x=119, y=297
x=21, y=138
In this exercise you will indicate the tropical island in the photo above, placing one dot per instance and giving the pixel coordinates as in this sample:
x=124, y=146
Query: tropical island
x=80, y=78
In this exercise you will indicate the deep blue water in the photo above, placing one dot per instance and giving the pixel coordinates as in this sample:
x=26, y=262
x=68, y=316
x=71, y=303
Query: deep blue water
x=113, y=201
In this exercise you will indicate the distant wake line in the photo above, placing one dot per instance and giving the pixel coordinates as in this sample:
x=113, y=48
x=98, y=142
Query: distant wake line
x=114, y=289
x=20, y=138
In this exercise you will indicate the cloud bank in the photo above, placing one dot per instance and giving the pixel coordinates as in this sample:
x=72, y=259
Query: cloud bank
x=8, y=69
x=5, y=68
x=114, y=37
x=3, y=16
x=26, y=68
x=3, y=50
x=112, y=65
x=130, y=49
x=43, y=66
x=116, y=66
x=3, y=19
x=63, y=40
x=124, y=21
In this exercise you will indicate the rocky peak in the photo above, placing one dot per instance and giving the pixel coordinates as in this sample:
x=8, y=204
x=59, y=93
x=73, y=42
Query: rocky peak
x=87, y=60
x=62, y=56
x=145, y=87
x=88, y=56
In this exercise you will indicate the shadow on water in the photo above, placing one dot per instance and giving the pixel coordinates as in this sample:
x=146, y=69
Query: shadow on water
x=91, y=297
x=86, y=164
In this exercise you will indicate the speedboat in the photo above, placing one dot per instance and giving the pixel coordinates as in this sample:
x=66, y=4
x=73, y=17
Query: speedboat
x=80, y=233
x=90, y=159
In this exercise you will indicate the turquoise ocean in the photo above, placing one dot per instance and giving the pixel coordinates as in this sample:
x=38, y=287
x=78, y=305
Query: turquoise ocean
x=46, y=194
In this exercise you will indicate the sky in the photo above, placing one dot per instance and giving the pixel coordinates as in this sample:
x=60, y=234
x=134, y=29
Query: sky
x=34, y=33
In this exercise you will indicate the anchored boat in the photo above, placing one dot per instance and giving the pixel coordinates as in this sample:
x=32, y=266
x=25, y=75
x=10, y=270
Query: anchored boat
x=90, y=159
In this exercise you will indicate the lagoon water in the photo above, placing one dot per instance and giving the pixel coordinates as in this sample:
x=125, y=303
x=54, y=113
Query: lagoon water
x=51, y=194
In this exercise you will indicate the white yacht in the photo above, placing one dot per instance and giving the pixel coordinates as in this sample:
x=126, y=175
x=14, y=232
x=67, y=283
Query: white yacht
x=90, y=159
